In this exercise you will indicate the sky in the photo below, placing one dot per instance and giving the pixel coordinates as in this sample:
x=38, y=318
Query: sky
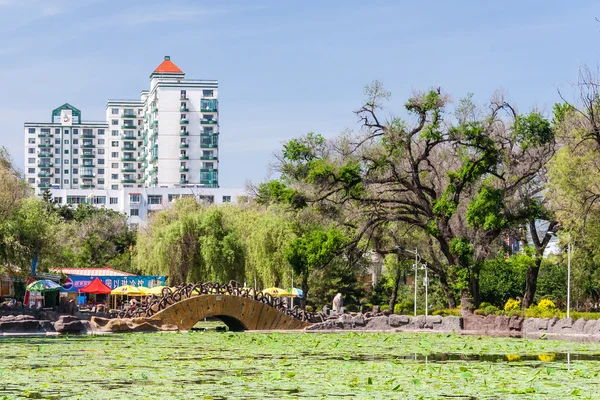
x=285, y=68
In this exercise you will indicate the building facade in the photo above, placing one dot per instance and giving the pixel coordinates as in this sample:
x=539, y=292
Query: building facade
x=168, y=138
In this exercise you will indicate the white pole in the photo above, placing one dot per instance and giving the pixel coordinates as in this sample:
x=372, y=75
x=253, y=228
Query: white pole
x=569, y=278
x=426, y=290
x=416, y=280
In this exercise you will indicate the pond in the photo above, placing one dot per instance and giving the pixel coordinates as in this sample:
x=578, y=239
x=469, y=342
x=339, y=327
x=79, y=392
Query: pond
x=225, y=365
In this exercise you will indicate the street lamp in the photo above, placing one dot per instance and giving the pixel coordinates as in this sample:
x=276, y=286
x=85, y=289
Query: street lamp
x=416, y=267
x=569, y=249
x=426, y=283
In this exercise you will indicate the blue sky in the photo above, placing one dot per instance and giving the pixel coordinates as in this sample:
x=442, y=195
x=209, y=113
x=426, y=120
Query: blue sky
x=285, y=68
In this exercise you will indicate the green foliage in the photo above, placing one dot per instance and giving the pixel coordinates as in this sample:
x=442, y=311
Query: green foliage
x=462, y=248
x=532, y=130
x=446, y=312
x=277, y=192
x=314, y=250
x=486, y=209
x=503, y=278
x=546, y=305
x=340, y=276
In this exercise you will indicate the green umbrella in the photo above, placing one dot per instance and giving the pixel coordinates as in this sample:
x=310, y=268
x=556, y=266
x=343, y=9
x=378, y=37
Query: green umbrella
x=43, y=286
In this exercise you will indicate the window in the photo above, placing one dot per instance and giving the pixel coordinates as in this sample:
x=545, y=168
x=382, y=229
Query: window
x=66, y=151
x=75, y=141
x=31, y=170
x=57, y=141
x=57, y=131
x=134, y=212
x=100, y=151
x=100, y=181
x=99, y=200
x=66, y=181
x=114, y=111
x=206, y=199
x=31, y=160
x=114, y=144
x=128, y=111
x=66, y=161
x=101, y=161
x=100, y=171
x=31, y=130
x=75, y=151
x=100, y=131
x=100, y=141
x=76, y=199
x=66, y=172
x=114, y=133
x=134, y=197
x=75, y=160
x=66, y=141
x=57, y=170
x=114, y=165
x=208, y=130
x=172, y=197
x=57, y=181
x=75, y=181
x=58, y=200
x=114, y=200
x=114, y=187
x=31, y=150
x=156, y=199
x=31, y=141
x=31, y=180
x=114, y=122
x=207, y=93
x=140, y=144
x=56, y=151
x=183, y=94
x=208, y=165
x=75, y=171
x=57, y=160
x=114, y=155
x=183, y=117
x=76, y=131
x=114, y=176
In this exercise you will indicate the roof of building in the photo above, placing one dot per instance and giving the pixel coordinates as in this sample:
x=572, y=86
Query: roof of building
x=106, y=271
x=168, y=67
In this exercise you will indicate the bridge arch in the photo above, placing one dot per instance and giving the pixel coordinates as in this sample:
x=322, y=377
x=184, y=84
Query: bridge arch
x=238, y=313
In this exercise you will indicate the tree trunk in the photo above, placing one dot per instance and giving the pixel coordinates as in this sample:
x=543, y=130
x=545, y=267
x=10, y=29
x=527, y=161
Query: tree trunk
x=531, y=283
x=466, y=302
x=446, y=288
x=394, y=295
x=304, y=293
x=474, y=289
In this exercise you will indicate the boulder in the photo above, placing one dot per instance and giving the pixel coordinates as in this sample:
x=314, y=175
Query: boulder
x=347, y=321
x=590, y=326
x=68, y=324
x=578, y=326
x=417, y=322
x=449, y=324
x=359, y=321
x=19, y=325
x=396, y=320
x=379, y=323
x=46, y=326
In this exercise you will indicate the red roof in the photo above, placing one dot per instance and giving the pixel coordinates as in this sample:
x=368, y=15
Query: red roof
x=168, y=67
x=106, y=271
x=96, y=287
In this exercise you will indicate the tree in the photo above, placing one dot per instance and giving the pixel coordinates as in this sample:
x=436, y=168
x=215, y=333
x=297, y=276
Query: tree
x=455, y=178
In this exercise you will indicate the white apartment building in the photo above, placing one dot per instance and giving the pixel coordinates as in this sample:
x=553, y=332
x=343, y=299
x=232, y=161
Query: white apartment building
x=139, y=203
x=166, y=139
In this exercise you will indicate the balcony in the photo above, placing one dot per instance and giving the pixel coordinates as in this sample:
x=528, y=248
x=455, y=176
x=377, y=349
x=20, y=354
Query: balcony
x=184, y=145
x=130, y=116
x=87, y=155
x=87, y=186
x=212, y=145
x=184, y=133
x=210, y=170
x=153, y=171
x=49, y=135
x=45, y=145
x=154, y=181
x=88, y=146
x=184, y=122
x=208, y=122
x=86, y=175
x=128, y=181
x=128, y=170
x=184, y=109
x=184, y=97
x=45, y=165
x=126, y=158
x=44, y=185
x=209, y=158
x=208, y=110
x=128, y=137
x=88, y=165
x=154, y=109
x=45, y=154
x=183, y=181
x=153, y=158
x=45, y=174
x=128, y=148
x=184, y=157
x=184, y=169
x=128, y=127
x=209, y=182
x=88, y=136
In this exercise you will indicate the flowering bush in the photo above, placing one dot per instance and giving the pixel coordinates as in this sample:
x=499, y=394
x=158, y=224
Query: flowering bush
x=546, y=305
x=512, y=305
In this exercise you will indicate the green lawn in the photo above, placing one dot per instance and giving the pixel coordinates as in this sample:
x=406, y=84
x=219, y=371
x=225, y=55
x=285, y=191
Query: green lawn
x=295, y=365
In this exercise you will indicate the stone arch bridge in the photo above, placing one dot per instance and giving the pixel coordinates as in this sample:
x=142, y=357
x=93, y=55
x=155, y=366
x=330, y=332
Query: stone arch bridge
x=239, y=308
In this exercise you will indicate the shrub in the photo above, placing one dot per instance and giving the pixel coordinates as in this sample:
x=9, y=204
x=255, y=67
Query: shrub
x=512, y=305
x=384, y=307
x=484, y=304
x=445, y=312
x=536, y=312
x=404, y=307
x=309, y=308
x=368, y=307
x=546, y=305
x=488, y=310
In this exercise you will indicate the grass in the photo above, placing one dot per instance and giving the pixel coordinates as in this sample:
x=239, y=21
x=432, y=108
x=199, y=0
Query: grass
x=215, y=365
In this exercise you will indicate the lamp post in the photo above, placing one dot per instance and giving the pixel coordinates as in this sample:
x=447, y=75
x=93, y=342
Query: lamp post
x=416, y=267
x=426, y=283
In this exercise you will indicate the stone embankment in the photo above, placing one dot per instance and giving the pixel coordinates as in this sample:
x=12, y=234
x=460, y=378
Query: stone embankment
x=393, y=322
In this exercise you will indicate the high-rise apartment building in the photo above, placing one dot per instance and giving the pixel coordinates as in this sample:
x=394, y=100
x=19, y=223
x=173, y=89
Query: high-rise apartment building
x=167, y=138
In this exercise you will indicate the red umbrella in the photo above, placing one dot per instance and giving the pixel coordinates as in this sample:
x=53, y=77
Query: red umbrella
x=96, y=287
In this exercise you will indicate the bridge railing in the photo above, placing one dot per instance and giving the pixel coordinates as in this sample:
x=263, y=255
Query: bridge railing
x=156, y=303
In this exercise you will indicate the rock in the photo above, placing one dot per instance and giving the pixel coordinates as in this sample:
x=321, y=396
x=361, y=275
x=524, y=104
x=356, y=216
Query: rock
x=578, y=326
x=590, y=326
x=398, y=320
x=359, y=320
x=515, y=323
x=19, y=326
x=46, y=326
x=560, y=325
x=347, y=321
x=449, y=324
x=68, y=324
x=378, y=323
x=149, y=324
x=434, y=319
x=417, y=322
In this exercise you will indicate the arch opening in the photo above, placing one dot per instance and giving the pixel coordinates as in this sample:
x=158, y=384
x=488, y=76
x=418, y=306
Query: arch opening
x=234, y=324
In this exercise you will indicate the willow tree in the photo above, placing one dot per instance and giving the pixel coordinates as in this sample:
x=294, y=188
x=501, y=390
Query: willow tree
x=454, y=176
